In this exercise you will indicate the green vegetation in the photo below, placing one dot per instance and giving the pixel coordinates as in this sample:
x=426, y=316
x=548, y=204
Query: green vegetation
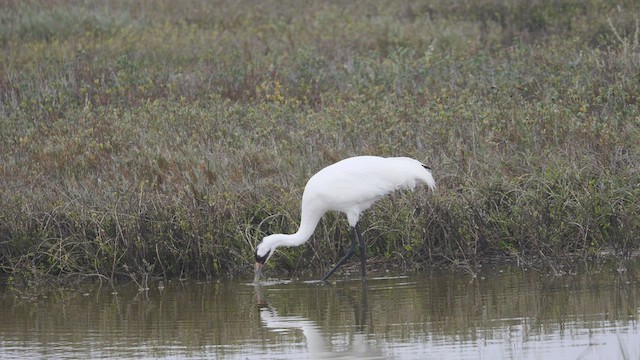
x=164, y=138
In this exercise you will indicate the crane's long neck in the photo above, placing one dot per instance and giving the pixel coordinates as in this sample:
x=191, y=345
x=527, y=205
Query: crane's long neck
x=308, y=222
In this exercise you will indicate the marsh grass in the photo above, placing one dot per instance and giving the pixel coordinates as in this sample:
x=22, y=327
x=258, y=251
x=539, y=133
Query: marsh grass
x=165, y=139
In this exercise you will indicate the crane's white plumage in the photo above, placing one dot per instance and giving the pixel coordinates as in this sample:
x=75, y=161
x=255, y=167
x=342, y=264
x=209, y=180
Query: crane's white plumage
x=349, y=186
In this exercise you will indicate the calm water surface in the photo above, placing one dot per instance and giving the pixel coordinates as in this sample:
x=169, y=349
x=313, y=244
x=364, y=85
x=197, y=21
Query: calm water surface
x=506, y=313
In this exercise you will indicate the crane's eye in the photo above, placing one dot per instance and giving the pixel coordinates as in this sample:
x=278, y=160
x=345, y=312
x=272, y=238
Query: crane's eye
x=262, y=259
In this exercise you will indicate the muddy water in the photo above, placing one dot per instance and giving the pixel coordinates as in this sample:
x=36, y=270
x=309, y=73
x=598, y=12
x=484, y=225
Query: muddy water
x=506, y=313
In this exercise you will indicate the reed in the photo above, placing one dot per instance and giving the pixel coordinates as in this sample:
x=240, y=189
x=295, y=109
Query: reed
x=165, y=139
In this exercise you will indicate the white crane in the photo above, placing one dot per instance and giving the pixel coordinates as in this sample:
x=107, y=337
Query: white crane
x=350, y=186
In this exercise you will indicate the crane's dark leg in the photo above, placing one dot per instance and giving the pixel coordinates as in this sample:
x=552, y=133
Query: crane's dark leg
x=355, y=236
x=363, y=252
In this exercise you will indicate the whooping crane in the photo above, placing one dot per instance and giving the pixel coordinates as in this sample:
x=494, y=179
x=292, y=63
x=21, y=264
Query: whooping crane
x=350, y=186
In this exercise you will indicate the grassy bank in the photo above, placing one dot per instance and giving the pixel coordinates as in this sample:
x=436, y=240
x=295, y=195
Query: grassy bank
x=162, y=138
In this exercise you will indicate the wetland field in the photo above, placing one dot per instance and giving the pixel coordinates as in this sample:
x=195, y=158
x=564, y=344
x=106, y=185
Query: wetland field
x=146, y=140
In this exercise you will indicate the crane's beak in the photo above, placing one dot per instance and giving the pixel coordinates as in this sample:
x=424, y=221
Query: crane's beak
x=259, y=266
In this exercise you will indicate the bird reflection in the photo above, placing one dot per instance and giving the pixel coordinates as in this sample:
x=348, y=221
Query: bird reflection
x=319, y=343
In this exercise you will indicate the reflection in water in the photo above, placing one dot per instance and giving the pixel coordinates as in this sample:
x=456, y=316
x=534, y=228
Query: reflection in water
x=318, y=344
x=504, y=313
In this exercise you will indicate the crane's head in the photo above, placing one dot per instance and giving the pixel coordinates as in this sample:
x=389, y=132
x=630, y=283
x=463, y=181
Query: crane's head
x=263, y=253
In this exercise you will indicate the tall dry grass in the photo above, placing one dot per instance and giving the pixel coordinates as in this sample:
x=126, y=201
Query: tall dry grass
x=161, y=138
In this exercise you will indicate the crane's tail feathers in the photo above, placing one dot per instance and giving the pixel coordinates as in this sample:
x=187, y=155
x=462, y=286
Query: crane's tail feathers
x=428, y=178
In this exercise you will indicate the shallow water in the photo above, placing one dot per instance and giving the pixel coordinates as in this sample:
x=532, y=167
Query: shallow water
x=505, y=313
